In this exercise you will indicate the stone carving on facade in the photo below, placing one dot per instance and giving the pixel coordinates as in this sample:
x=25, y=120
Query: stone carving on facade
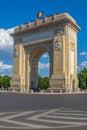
x=72, y=46
x=16, y=51
x=58, y=44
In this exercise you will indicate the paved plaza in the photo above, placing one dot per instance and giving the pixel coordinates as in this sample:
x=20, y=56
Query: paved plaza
x=37, y=111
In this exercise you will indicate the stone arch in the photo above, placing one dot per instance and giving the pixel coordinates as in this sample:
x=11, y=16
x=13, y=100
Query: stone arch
x=36, y=53
x=52, y=34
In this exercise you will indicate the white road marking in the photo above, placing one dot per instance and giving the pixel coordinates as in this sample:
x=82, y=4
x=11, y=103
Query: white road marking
x=67, y=114
x=6, y=127
x=74, y=110
x=63, y=117
x=18, y=115
x=55, y=122
x=71, y=110
x=50, y=114
x=30, y=125
x=8, y=120
x=1, y=113
x=68, y=111
x=69, y=126
x=43, y=114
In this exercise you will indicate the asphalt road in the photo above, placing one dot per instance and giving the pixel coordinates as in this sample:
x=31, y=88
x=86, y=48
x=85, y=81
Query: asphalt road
x=46, y=112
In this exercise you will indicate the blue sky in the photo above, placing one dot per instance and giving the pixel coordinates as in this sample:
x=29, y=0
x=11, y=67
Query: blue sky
x=16, y=12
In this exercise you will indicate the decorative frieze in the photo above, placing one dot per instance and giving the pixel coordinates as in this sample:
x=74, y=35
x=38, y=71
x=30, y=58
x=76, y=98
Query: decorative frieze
x=59, y=30
x=35, y=37
x=18, y=40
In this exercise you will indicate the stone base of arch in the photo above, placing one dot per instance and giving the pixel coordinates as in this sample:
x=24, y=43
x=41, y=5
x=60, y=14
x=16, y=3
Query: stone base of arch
x=58, y=84
x=62, y=83
x=57, y=81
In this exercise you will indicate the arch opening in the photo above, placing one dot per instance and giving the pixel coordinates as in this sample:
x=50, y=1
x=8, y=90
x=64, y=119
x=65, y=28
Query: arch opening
x=44, y=71
x=40, y=67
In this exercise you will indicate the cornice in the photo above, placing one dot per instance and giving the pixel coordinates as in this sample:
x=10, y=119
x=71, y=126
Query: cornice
x=47, y=21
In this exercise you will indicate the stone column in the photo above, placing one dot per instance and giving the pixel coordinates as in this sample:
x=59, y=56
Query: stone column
x=22, y=67
x=58, y=76
x=15, y=81
x=27, y=71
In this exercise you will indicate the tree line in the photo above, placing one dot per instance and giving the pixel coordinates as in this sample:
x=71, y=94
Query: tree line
x=82, y=77
x=43, y=82
x=4, y=82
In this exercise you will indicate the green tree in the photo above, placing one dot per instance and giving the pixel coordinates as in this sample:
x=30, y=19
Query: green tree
x=1, y=81
x=82, y=76
x=43, y=82
x=5, y=81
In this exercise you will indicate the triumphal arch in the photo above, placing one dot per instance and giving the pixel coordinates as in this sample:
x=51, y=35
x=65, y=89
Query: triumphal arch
x=56, y=35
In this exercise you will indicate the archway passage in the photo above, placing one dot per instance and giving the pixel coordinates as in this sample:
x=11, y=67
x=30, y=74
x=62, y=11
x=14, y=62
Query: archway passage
x=44, y=65
x=36, y=66
x=44, y=72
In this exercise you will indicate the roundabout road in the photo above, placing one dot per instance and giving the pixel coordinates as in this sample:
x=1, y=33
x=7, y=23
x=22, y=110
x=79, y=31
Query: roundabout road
x=46, y=112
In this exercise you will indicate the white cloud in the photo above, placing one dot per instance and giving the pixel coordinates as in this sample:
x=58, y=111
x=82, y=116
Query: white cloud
x=10, y=30
x=84, y=64
x=6, y=41
x=6, y=51
x=43, y=65
x=4, y=67
x=45, y=56
x=83, y=53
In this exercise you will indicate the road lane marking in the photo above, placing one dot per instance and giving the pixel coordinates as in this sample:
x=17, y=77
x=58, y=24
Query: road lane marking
x=8, y=120
x=39, y=119
x=72, y=114
x=18, y=115
x=42, y=114
x=30, y=125
x=71, y=126
x=55, y=122
x=63, y=117
x=1, y=113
